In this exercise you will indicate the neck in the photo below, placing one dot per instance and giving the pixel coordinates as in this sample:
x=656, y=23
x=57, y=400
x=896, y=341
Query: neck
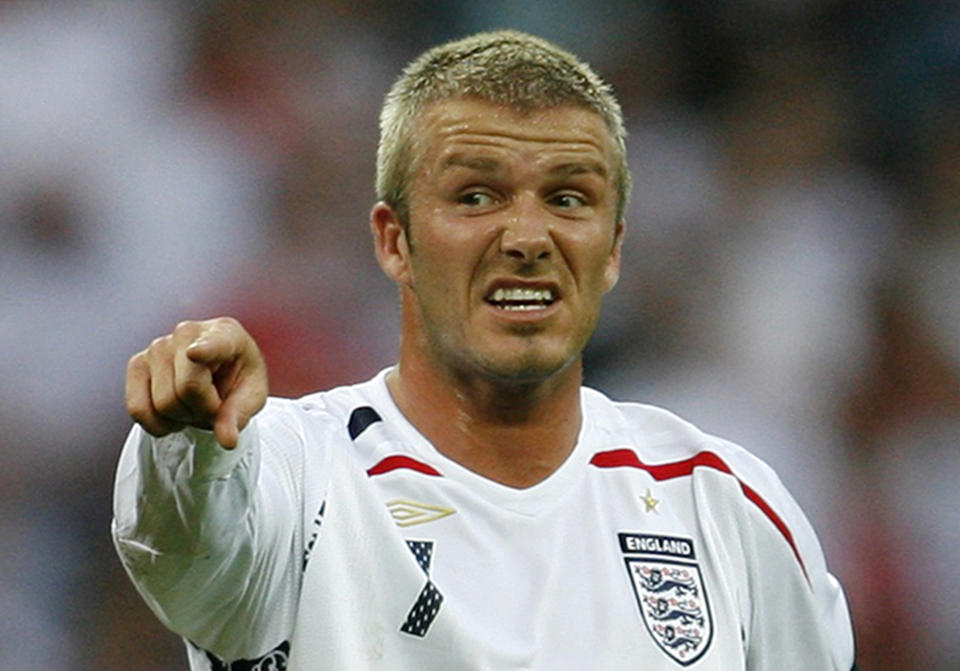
x=516, y=434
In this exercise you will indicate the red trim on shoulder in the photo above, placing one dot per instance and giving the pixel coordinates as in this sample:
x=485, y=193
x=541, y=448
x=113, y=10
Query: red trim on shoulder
x=677, y=469
x=397, y=461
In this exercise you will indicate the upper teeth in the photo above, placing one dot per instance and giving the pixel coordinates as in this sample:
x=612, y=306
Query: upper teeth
x=520, y=294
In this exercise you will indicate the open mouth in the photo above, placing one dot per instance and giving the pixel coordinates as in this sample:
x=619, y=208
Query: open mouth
x=521, y=299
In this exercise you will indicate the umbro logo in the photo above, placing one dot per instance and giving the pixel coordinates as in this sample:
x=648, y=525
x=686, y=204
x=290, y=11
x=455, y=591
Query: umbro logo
x=407, y=513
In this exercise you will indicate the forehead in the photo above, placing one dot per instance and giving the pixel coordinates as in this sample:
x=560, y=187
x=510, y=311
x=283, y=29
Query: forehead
x=457, y=128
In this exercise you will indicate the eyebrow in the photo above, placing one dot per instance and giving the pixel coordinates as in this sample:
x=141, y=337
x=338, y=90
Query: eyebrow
x=471, y=162
x=579, y=168
x=492, y=165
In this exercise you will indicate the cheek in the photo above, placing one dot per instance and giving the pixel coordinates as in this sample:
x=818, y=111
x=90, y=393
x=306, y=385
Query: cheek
x=451, y=250
x=593, y=263
x=438, y=276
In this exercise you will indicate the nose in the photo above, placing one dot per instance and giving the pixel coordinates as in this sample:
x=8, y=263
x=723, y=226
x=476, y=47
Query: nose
x=526, y=234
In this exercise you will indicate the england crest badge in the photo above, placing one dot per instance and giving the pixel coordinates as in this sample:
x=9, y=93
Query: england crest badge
x=670, y=593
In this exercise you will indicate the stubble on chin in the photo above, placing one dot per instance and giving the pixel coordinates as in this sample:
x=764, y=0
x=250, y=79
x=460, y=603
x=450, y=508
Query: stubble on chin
x=513, y=368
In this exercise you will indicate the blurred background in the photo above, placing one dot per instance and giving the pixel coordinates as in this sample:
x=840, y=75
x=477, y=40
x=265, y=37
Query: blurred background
x=791, y=277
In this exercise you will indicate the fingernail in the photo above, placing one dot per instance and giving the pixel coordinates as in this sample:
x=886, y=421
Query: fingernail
x=199, y=342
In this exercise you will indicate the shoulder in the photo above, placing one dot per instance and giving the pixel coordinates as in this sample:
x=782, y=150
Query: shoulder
x=668, y=447
x=658, y=432
x=630, y=417
x=716, y=473
x=322, y=413
x=338, y=402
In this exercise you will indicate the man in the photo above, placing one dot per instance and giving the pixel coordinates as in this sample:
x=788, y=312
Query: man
x=473, y=507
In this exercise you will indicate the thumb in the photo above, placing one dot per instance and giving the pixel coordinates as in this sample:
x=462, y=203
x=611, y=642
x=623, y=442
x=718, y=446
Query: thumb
x=213, y=349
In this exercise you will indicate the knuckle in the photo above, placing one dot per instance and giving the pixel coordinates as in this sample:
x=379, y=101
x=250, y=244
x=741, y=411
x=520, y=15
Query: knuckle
x=137, y=362
x=186, y=326
x=158, y=345
x=228, y=325
x=186, y=330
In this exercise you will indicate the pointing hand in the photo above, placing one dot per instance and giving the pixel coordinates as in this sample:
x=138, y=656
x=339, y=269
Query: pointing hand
x=206, y=374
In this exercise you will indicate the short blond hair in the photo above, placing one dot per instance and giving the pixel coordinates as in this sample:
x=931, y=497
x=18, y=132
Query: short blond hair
x=503, y=67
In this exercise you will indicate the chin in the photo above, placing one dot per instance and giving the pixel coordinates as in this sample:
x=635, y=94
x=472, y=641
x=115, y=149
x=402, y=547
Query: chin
x=512, y=360
x=525, y=368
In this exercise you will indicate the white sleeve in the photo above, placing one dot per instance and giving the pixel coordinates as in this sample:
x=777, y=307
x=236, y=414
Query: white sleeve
x=799, y=618
x=212, y=538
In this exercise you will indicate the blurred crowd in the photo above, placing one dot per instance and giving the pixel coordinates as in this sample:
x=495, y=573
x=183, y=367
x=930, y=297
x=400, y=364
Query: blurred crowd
x=791, y=276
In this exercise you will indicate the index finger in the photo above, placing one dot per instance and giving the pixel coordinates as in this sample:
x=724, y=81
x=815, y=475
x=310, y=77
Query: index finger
x=194, y=385
x=239, y=374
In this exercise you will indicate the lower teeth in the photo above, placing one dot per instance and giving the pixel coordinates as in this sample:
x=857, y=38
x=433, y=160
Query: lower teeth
x=522, y=307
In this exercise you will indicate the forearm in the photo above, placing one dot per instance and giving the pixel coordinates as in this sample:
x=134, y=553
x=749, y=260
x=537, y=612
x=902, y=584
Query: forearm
x=180, y=506
x=182, y=493
x=192, y=527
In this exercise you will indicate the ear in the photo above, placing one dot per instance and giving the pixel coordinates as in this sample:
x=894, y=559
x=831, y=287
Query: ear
x=612, y=271
x=390, y=243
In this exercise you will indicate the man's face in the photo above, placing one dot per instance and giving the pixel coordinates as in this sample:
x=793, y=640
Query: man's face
x=512, y=239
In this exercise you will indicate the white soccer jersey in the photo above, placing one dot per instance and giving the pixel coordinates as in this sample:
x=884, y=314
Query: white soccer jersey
x=337, y=537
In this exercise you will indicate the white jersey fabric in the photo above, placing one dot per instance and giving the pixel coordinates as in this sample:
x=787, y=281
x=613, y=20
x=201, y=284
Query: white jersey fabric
x=335, y=536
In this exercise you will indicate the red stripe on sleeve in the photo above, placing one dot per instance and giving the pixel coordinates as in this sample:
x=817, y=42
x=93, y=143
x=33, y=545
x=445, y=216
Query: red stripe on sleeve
x=395, y=462
x=677, y=469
